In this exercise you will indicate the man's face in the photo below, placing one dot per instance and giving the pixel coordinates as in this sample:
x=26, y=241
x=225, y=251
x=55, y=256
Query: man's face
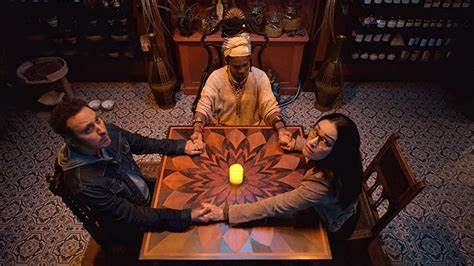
x=89, y=130
x=239, y=67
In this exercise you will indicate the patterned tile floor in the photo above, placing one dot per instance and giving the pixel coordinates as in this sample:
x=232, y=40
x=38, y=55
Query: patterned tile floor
x=435, y=229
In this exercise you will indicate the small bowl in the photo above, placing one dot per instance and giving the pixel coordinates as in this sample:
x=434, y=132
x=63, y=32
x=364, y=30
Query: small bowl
x=108, y=105
x=94, y=105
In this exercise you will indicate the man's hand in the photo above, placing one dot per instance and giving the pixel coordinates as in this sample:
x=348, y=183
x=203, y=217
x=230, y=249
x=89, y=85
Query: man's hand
x=284, y=136
x=193, y=148
x=216, y=214
x=200, y=215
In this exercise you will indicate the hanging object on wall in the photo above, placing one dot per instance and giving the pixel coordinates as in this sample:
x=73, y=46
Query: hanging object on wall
x=219, y=10
x=329, y=81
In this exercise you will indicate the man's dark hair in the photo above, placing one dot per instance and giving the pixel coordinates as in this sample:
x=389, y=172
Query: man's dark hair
x=62, y=112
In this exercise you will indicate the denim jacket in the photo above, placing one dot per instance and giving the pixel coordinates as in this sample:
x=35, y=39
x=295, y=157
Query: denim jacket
x=104, y=186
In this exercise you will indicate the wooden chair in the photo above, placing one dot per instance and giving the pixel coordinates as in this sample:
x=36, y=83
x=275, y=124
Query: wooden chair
x=215, y=59
x=98, y=251
x=83, y=213
x=389, y=186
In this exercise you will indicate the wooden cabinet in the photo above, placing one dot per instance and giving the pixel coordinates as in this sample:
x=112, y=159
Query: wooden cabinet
x=284, y=55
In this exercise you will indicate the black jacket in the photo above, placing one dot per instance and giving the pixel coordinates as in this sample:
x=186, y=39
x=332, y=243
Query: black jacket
x=115, y=200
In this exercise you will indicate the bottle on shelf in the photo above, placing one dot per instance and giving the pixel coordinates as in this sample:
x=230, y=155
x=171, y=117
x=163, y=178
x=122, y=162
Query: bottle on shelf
x=457, y=3
x=404, y=55
x=427, y=3
x=446, y=3
x=391, y=23
x=355, y=55
x=400, y=22
x=391, y=56
x=414, y=55
x=377, y=37
x=386, y=37
x=425, y=56
x=381, y=55
x=418, y=23
x=381, y=22
x=364, y=55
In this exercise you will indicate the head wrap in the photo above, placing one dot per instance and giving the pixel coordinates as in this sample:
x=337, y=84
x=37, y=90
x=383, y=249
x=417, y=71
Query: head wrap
x=238, y=45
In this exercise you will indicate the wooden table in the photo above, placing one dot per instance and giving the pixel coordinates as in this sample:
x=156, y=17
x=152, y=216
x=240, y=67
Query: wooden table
x=186, y=181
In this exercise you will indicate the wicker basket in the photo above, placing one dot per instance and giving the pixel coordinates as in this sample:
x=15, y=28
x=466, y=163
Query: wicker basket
x=273, y=31
x=164, y=93
x=292, y=24
x=42, y=70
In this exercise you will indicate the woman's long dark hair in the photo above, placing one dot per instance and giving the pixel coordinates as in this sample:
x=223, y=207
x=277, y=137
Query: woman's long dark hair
x=345, y=160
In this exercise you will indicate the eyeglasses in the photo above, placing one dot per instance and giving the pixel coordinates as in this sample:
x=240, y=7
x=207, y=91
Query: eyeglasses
x=315, y=139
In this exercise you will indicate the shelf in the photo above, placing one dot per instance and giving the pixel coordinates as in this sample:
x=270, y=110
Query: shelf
x=429, y=59
x=393, y=71
x=410, y=11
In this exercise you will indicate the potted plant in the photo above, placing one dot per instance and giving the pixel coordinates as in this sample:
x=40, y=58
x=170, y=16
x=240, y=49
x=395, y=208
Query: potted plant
x=185, y=17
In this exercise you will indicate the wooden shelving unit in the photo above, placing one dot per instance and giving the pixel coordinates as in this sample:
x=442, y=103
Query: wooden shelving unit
x=409, y=40
x=99, y=42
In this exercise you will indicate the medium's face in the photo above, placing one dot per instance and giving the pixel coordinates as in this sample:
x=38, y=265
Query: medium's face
x=89, y=129
x=321, y=140
x=239, y=67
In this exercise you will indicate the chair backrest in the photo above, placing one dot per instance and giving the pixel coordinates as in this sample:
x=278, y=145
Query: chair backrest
x=389, y=185
x=80, y=210
x=215, y=58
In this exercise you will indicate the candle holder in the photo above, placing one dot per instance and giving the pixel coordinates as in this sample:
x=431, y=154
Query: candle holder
x=236, y=174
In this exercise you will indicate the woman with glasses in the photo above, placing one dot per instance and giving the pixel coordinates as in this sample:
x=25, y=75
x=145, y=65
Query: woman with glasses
x=331, y=184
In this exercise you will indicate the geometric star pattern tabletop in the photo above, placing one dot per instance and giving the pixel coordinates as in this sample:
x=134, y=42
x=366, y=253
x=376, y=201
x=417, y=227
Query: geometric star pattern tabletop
x=187, y=181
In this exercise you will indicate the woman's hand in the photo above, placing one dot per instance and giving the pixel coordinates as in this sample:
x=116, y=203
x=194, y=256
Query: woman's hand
x=290, y=146
x=194, y=148
x=284, y=136
x=216, y=214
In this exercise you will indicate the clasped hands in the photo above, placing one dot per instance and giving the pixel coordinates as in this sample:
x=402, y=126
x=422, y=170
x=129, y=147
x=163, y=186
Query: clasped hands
x=207, y=213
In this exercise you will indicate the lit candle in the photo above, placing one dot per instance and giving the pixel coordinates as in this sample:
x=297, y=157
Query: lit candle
x=236, y=174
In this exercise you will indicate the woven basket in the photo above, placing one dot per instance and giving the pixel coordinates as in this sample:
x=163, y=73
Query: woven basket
x=273, y=32
x=42, y=69
x=291, y=24
x=164, y=93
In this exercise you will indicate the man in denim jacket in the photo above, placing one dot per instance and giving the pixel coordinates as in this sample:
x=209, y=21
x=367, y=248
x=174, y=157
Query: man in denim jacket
x=99, y=171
